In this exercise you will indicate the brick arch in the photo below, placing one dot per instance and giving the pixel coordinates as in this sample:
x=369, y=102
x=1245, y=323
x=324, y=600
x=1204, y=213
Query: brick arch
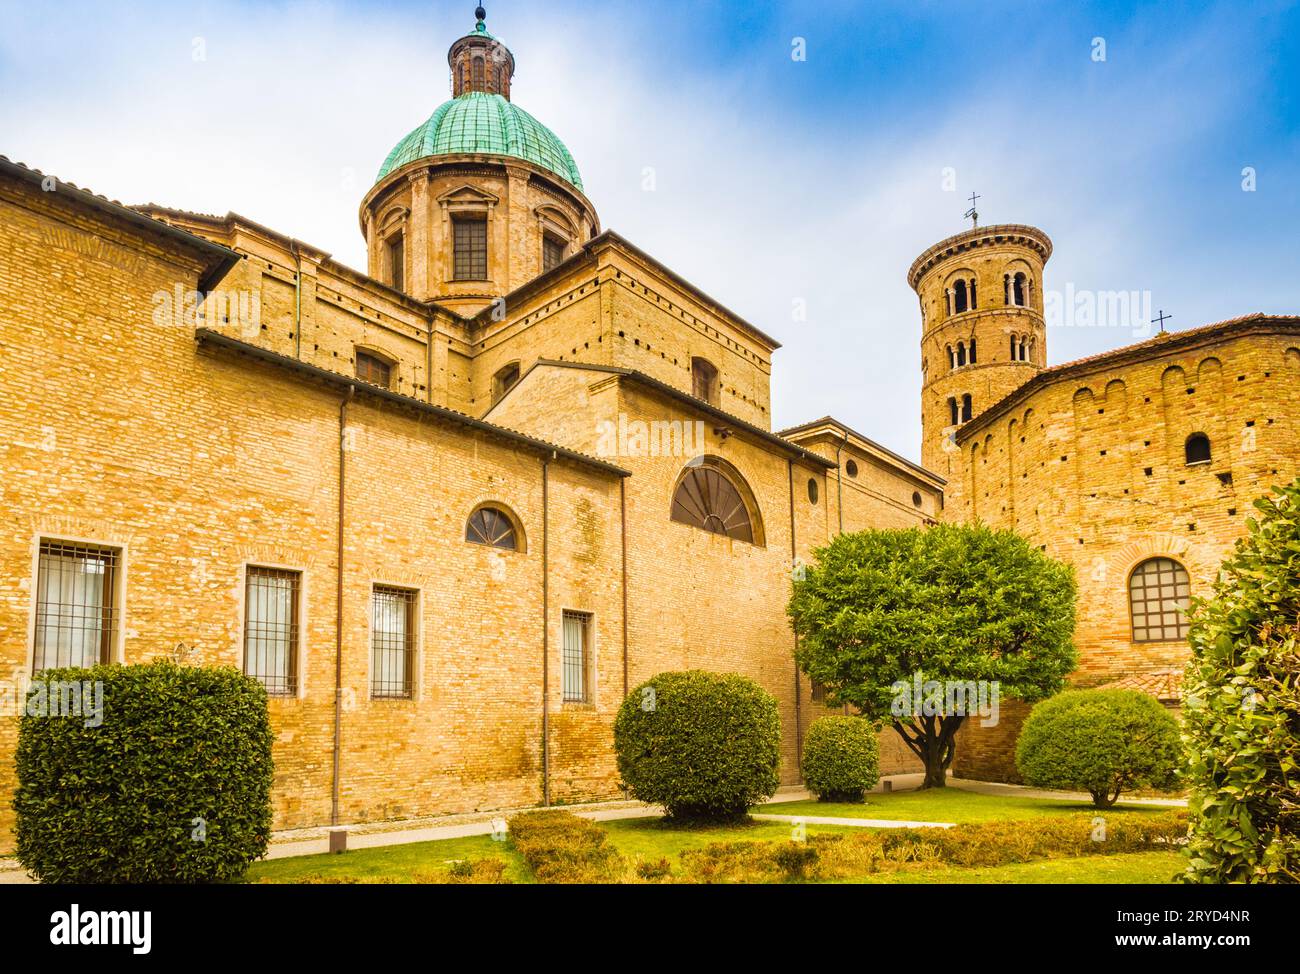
x=1174, y=375
x=1208, y=369
x=1291, y=357
x=1084, y=395
x=1115, y=387
x=1128, y=556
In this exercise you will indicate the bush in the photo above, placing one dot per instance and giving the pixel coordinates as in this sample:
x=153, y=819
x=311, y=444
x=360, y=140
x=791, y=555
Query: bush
x=702, y=745
x=1099, y=741
x=560, y=847
x=841, y=759
x=1242, y=698
x=865, y=851
x=172, y=786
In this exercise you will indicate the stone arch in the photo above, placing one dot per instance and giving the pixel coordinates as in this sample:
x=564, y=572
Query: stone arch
x=1291, y=358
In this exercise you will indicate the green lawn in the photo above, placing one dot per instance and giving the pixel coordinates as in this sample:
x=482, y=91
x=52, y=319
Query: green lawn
x=945, y=805
x=650, y=839
x=412, y=863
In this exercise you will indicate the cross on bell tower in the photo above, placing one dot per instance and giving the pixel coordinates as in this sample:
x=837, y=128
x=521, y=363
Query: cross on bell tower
x=971, y=214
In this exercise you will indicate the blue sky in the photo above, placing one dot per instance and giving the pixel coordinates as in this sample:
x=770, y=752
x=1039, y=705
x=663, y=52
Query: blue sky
x=777, y=182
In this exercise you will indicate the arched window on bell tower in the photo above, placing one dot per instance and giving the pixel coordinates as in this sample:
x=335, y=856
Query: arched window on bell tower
x=959, y=297
x=966, y=408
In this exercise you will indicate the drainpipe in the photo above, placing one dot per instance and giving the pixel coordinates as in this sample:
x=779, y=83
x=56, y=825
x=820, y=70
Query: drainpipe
x=798, y=723
x=297, y=299
x=839, y=481
x=338, y=606
x=622, y=513
x=546, y=642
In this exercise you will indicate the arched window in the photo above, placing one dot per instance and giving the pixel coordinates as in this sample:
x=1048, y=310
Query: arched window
x=493, y=527
x=965, y=408
x=1197, y=448
x=953, y=409
x=1014, y=345
x=1018, y=288
x=1024, y=350
x=961, y=353
x=704, y=380
x=373, y=368
x=972, y=293
x=504, y=380
x=959, y=297
x=972, y=351
x=709, y=496
x=477, y=74
x=1159, y=590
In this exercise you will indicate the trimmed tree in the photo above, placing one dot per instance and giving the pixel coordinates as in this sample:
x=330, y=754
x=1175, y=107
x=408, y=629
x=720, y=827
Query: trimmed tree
x=154, y=773
x=1241, y=724
x=1099, y=741
x=909, y=625
x=703, y=745
x=841, y=758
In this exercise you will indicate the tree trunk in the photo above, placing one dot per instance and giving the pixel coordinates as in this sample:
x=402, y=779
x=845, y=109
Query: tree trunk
x=933, y=740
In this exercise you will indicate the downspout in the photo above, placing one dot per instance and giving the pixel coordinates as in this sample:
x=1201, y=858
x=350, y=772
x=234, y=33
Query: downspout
x=297, y=300
x=338, y=608
x=798, y=723
x=428, y=364
x=546, y=650
x=839, y=481
x=622, y=513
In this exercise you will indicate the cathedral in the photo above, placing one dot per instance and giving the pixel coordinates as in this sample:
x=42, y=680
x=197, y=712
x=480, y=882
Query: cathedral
x=451, y=509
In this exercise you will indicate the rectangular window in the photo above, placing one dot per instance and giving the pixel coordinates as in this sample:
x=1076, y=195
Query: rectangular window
x=469, y=239
x=371, y=368
x=392, y=642
x=552, y=252
x=575, y=660
x=76, y=605
x=271, y=628
x=396, y=261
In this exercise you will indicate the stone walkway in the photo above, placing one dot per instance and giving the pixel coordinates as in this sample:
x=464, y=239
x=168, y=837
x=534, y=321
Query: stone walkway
x=313, y=841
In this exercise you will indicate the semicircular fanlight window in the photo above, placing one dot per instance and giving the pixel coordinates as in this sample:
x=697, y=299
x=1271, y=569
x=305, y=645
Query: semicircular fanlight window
x=707, y=499
x=491, y=527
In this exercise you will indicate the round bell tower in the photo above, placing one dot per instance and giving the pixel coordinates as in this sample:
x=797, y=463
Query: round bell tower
x=982, y=328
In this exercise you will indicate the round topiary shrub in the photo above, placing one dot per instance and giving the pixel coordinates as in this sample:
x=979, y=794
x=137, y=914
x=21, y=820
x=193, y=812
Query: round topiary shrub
x=1242, y=698
x=841, y=758
x=1101, y=742
x=702, y=745
x=143, y=774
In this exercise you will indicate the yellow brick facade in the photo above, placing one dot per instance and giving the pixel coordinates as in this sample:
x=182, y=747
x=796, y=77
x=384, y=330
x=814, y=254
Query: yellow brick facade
x=200, y=434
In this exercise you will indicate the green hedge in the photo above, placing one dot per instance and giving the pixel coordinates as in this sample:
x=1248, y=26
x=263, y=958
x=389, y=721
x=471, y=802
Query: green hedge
x=703, y=745
x=824, y=858
x=841, y=758
x=1099, y=741
x=560, y=847
x=172, y=786
x=1242, y=707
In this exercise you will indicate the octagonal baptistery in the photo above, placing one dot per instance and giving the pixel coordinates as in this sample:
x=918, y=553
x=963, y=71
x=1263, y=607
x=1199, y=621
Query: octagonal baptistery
x=479, y=198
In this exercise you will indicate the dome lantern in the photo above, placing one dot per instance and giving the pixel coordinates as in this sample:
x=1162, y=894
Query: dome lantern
x=479, y=62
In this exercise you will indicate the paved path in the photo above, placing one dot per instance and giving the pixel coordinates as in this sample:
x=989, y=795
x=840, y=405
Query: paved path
x=306, y=842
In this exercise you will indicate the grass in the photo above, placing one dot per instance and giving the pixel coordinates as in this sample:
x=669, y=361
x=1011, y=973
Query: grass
x=412, y=863
x=947, y=805
x=651, y=839
x=1127, y=868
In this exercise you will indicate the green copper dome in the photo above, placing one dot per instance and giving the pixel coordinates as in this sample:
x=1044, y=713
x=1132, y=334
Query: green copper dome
x=482, y=122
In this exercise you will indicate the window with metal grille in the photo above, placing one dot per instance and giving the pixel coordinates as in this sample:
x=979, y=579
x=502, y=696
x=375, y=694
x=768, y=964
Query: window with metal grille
x=469, y=243
x=271, y=628
x=371, y=368
x=576, y=679
x=76, y=605
x=396, y=261
x=552, y=252
x=392, y=642
x=1159, y=591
